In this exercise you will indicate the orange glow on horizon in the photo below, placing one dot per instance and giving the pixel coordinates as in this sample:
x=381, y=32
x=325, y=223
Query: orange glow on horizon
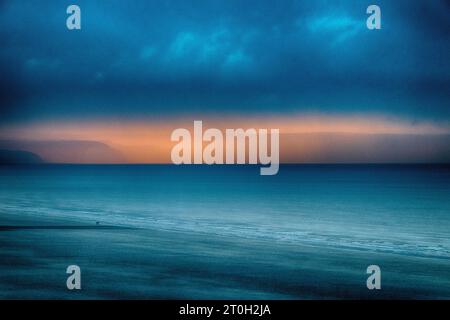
x=149, y=141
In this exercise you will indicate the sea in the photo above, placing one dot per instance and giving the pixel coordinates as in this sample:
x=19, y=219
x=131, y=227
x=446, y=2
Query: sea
x=225, y=231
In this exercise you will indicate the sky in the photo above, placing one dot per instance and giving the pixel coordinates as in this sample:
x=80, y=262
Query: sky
x=154, y=64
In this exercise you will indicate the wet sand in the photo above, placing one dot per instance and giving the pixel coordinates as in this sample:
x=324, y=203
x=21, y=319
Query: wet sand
x=121, y=263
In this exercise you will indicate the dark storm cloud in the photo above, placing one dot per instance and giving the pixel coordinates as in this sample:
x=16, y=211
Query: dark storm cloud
x=135, y=58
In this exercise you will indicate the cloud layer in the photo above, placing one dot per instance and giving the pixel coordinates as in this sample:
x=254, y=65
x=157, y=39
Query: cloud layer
x=137, y=59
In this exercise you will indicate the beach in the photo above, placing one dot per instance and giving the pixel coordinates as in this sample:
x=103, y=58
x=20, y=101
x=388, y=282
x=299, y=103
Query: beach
x=167, y=232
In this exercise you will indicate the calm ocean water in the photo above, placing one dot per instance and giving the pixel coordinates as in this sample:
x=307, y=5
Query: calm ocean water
x=225, y=231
